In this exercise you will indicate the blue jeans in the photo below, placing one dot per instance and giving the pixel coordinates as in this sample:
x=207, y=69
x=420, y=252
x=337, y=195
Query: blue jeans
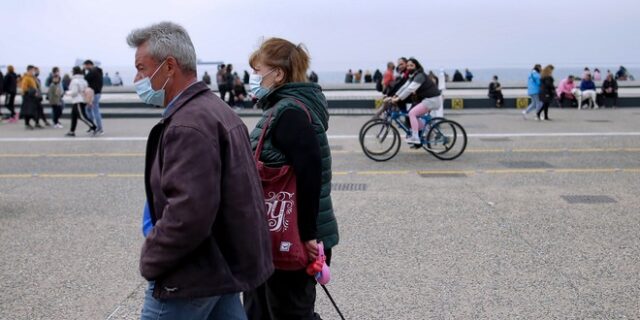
x=535, y=103
x=227, y=306
x=94, y=112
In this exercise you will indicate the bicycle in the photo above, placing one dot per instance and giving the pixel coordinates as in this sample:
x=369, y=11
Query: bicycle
x=380, y=139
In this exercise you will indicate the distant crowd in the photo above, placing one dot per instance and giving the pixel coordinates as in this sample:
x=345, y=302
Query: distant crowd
x=232, y=88
x=81, y=90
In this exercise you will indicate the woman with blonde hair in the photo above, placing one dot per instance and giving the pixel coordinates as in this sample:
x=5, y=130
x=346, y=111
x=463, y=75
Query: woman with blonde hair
x=547, y=91
x=295, y=120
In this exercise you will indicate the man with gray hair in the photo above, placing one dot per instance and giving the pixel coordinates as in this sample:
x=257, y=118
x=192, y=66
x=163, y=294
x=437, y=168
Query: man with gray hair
x=206, y=237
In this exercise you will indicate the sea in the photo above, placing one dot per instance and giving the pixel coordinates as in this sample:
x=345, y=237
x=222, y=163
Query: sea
x=514, y=74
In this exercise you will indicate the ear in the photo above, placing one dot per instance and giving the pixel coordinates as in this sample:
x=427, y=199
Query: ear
x=172, y=66
x=279, y=76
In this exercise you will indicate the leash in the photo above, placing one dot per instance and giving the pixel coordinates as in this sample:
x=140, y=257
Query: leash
x=332, y=302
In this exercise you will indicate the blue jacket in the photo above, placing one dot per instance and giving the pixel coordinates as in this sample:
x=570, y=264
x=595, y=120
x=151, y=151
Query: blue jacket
x=534, y=83
x=147, y=224
x=587, y=85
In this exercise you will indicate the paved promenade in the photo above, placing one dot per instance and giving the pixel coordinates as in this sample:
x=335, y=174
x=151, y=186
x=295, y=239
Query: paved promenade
x=536, y=220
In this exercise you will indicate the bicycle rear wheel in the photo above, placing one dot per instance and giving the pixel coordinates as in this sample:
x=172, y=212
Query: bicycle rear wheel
x=380, y=141
x=446, y=140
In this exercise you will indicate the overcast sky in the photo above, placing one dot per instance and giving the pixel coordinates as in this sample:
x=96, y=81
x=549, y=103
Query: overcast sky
x=339, y=34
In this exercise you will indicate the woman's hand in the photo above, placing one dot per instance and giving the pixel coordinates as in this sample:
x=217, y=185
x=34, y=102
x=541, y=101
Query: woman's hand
x=312, y=249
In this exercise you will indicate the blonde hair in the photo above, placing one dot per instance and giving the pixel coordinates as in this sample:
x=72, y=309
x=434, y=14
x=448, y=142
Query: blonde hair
x=291, y=59
x=546, y=72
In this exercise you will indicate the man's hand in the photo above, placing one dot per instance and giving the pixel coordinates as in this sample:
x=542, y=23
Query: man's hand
x=395, y=100
x=312, y=249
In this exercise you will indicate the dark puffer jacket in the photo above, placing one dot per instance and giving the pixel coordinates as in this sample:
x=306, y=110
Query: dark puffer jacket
x=279, y=100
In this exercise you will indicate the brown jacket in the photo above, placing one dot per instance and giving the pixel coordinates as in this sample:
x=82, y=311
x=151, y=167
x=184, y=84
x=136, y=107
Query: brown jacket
x=210, y=235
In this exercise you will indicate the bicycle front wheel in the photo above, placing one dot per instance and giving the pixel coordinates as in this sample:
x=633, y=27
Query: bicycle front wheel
x=380, y=141
x=446, y=140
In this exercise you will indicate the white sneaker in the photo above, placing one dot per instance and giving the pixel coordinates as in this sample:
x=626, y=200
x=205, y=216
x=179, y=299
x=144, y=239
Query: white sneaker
x=524, y=114
x=413, y=140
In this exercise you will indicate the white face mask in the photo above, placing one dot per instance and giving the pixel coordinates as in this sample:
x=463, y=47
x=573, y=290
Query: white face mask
x=145, y=90
x=255, y=85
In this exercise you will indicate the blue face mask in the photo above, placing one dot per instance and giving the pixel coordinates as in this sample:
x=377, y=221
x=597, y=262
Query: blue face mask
x=145, y=90
x=255, y=85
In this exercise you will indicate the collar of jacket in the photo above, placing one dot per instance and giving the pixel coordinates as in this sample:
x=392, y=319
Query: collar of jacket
x=188, y=94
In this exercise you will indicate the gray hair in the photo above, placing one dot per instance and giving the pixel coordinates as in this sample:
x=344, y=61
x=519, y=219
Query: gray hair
x=166, y=39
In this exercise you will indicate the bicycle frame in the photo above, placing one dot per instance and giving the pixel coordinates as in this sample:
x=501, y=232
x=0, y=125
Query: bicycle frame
x=394, y=116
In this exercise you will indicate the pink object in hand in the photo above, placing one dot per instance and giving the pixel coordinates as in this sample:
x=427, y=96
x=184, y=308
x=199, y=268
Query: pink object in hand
x=324, y=275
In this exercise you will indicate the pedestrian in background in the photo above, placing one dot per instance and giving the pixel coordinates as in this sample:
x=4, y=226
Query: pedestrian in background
x=95, y=80
x=78, y=94
x=221, y=81
x=468, y=76
x=117, y=81
x=533, y=90
x=547, y=92
x=495, y=92
x=387, y=79
x=40, y=115
x=368, y=78
x=106, y=80
x=230, y=79
x=10, y=85
x=30, y=98
x=206, y=78
x=54, y=95
x=610, y=90
x=348, y=78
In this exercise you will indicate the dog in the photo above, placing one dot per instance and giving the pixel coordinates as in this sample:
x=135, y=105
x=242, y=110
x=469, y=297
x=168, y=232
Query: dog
x=589, y=95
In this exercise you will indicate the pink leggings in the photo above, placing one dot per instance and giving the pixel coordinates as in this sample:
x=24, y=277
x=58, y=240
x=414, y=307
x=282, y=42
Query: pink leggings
x=416, y=112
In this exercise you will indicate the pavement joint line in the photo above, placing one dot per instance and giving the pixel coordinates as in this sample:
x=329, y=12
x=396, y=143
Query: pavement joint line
x=336, y=136
x=383, y=172
x=503, y=171
x=471, y=150
x=447, y=172
x=342, y=173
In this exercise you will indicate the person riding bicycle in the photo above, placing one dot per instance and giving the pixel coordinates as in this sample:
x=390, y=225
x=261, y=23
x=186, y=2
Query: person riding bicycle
x=401, y=78
x=425, y=94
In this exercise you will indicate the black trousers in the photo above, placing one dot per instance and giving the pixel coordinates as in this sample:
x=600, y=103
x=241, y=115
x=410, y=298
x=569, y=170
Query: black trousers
x=40, y=114
x=79, y=111
x=223, y=91
x=57, y=113
x=545, y=108
x=27, y=120
x=10, y=103
x=287, y=295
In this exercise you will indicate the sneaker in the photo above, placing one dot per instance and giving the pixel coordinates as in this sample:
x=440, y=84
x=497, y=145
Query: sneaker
x=28, y=127
x=70, y=134
x=98, y=133
x=524, y=114
x=13, y=120
x=538, y=118
x=39, y=126
x=413, y=140
x=547, y=119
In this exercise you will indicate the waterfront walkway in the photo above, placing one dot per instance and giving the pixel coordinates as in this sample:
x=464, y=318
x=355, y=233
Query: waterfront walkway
x=536, y=220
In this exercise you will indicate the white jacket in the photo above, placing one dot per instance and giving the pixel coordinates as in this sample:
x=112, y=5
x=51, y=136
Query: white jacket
x=76, y=88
